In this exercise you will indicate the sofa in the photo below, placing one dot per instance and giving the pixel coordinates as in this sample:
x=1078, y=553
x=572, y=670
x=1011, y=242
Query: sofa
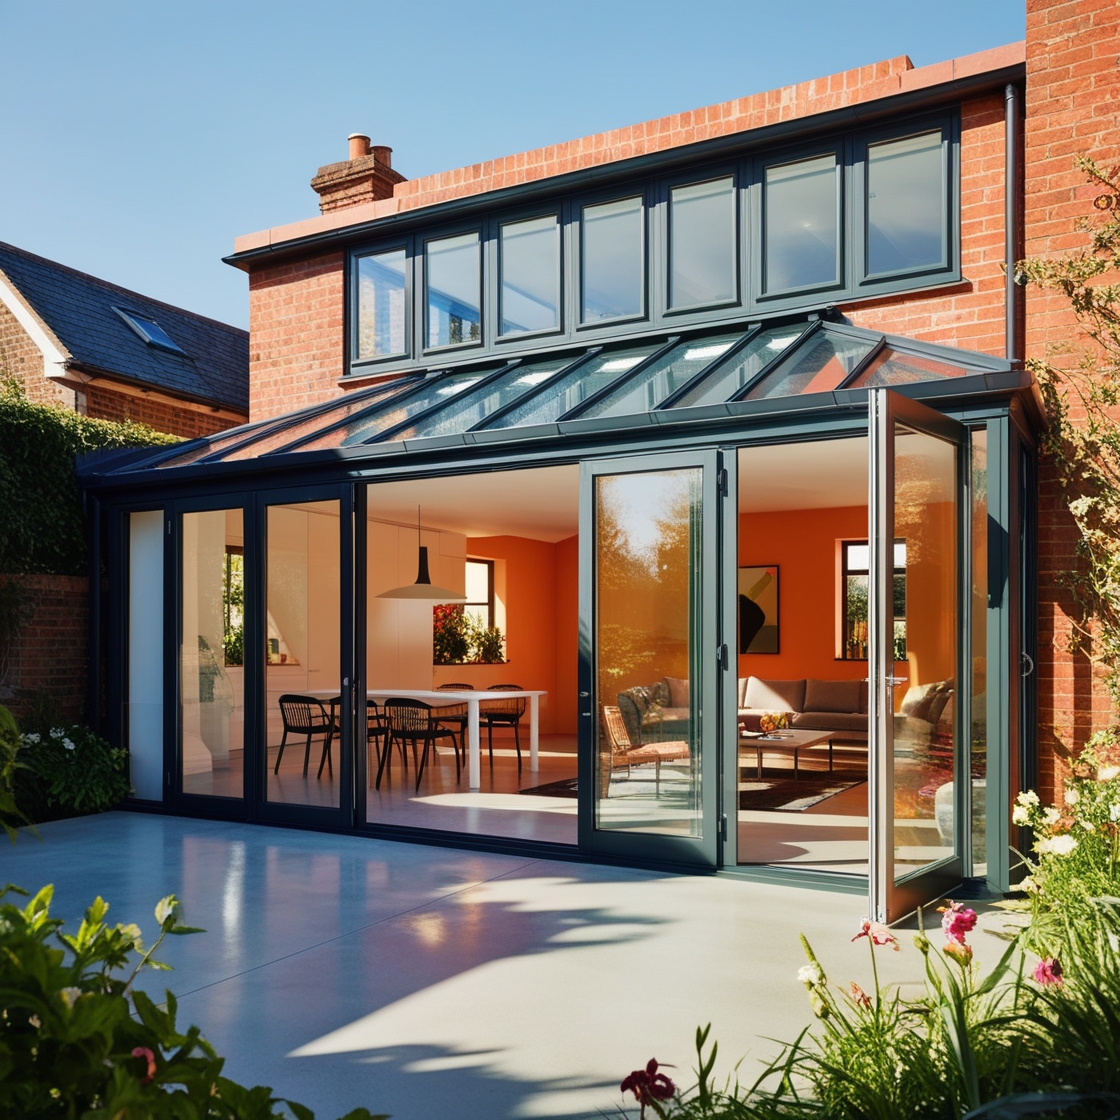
x=656, y=712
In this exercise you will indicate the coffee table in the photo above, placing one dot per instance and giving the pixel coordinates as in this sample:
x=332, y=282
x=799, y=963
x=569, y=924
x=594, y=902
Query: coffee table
x=791, y=741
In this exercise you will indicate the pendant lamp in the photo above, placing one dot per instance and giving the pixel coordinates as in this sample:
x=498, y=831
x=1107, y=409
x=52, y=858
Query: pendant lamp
x=423, y=588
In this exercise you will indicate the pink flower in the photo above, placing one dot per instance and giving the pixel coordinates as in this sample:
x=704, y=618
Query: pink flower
x=1048, y=971
x=859, y=996
x=956, y=921
x=145, y=1053
x=878, y=933
x=648, y=1085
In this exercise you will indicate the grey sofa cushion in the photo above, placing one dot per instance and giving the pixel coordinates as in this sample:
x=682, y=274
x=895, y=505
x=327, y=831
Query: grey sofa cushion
x=831, y=696
x=831, y=721
x=774, y=696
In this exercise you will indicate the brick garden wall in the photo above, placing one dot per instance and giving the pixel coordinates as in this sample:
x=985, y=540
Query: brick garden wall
x=51, y=652
x=1073, y=102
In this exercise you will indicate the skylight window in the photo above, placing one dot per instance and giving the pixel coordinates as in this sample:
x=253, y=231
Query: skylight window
x=149, y=330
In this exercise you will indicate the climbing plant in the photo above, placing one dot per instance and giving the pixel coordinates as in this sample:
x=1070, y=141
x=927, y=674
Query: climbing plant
x=1081, y=387
x=42, y=526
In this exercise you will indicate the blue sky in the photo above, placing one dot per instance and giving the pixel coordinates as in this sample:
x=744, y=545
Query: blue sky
x=138, y=139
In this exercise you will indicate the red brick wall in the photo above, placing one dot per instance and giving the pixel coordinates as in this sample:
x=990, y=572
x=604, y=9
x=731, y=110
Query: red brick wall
x=51, y=652
x=296, y=318
x=21, y=359
x=177, y=419
x=1073, y=98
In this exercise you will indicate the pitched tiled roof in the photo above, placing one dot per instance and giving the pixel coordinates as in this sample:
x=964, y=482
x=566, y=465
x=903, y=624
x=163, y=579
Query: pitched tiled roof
x=79, y=310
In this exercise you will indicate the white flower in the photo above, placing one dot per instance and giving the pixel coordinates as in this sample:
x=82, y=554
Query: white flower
x=810, y=975
x=1051, y=816
x=1088, y=826
x=1020, y=815
x=1114, y=812
x=1028, y=884
x=1107, y=773
x=68, y=744
x=1072, y=797
x=31, y=737
x=57, y=732
x=1056, y=845
x=1029, y=799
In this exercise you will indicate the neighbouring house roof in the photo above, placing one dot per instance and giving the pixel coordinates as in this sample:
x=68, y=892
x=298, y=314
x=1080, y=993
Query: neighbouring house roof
x=106, y=330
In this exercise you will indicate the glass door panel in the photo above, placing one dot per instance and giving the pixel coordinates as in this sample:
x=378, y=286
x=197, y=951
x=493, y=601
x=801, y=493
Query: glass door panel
x=647, y=784
x=304, y=758
x=915, y=655
x=211, y=661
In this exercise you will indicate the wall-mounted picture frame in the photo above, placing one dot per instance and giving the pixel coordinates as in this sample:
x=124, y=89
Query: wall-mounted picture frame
x=758, y=609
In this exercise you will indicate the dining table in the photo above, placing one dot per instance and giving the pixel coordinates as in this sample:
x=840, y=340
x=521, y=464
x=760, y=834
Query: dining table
x=473, y=698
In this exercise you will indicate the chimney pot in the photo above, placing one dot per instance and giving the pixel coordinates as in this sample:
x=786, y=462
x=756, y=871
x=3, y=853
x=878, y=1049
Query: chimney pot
x=359, y=145
x=382, y=154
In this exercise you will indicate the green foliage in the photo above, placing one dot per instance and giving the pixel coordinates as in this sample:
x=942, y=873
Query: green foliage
x=1082, y=389
x=233, y=609
x=76, y=1039
x=69, y=770
x=10, y=816
x=15, y=601
x=459, y=639
x=1076, y=857
x=42, y=527
x=1011, y=1043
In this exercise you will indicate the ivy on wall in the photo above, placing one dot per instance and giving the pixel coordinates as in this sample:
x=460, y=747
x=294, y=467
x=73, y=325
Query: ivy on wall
x=42, y=527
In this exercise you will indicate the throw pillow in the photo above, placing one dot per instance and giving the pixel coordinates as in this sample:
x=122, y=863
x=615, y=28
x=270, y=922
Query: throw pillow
x=679, y=691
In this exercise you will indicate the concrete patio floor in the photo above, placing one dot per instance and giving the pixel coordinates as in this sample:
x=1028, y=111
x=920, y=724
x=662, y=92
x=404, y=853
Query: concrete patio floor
x=428, y=982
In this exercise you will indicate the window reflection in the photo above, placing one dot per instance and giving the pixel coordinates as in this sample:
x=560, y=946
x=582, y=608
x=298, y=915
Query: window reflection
x=381, y=305
x=612, y=260
x=452, y=279
x=702, y=243
x=530, y=263
x=801, y=237
x=905, y=204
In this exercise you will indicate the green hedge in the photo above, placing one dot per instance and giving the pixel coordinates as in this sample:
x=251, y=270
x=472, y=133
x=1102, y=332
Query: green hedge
x=42, y=527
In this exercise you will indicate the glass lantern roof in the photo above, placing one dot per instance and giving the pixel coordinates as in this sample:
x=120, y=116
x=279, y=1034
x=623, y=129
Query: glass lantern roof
x=670, y=378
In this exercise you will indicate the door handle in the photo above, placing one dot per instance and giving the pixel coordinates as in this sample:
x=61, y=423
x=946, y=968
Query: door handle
x=1026, y=664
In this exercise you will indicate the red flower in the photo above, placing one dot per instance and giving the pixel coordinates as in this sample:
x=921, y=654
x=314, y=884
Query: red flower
x=957, y=921
x=859, y=996
x=878, y=933
x=144, y=1052
x=648, y=1085
x=1048, y=971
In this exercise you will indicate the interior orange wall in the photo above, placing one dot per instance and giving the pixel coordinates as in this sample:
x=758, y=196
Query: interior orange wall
x=541, y=619
x=803, y=545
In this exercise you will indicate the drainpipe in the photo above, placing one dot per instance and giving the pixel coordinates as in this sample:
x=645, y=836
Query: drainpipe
x=1011, y=345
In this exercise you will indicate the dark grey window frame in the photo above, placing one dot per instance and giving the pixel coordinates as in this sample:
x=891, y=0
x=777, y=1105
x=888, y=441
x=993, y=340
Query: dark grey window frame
x=422, y=241
x=748, y=170
x=405, y=243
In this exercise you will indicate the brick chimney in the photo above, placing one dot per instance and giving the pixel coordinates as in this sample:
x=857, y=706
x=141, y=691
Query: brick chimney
x=366, y=176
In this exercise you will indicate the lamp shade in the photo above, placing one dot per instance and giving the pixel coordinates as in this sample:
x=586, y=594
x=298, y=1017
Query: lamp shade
x=423, y=588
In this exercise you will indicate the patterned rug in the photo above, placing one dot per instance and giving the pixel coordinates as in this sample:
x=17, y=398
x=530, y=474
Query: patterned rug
x=789, y=796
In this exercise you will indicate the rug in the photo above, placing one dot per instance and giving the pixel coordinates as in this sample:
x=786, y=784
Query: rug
x=566, y=787
x=789, y=796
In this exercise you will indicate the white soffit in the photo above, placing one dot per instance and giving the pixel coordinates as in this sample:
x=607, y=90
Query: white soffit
x=825, y=474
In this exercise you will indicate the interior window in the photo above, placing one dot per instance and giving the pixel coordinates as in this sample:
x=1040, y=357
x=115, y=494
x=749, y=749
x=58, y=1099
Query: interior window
x=379, y=278
x=480, y=592
x=801, y=231
x=854, y=581
x=905, y=204
x=702, y=243
x=530, y=264
x=613, y=265
x=453, y=290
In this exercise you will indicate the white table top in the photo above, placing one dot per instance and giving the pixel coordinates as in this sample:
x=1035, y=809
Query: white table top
x=431, y=694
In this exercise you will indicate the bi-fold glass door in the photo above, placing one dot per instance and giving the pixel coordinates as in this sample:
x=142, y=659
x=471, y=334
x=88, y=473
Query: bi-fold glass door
x=918, y=763
x=648, y=630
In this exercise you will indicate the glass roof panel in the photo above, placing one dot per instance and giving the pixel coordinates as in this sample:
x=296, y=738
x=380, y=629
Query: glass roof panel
x=727, y=379
x=645, y=391
x=575, y=387
x=817, y=367
x=369, y=426
x=893, y=367
x=475, y=405
x=306, y=423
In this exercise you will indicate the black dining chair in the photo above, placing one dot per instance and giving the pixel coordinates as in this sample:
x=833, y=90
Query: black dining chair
x=413, y=722
x=454, y=715
x=503, y=713
x=307, y=717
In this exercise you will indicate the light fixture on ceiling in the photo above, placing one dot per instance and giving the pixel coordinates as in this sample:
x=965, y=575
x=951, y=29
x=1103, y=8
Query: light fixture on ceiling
x=423, y=588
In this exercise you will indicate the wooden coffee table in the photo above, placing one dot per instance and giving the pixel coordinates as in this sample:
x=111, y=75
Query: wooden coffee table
x=791, y=741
